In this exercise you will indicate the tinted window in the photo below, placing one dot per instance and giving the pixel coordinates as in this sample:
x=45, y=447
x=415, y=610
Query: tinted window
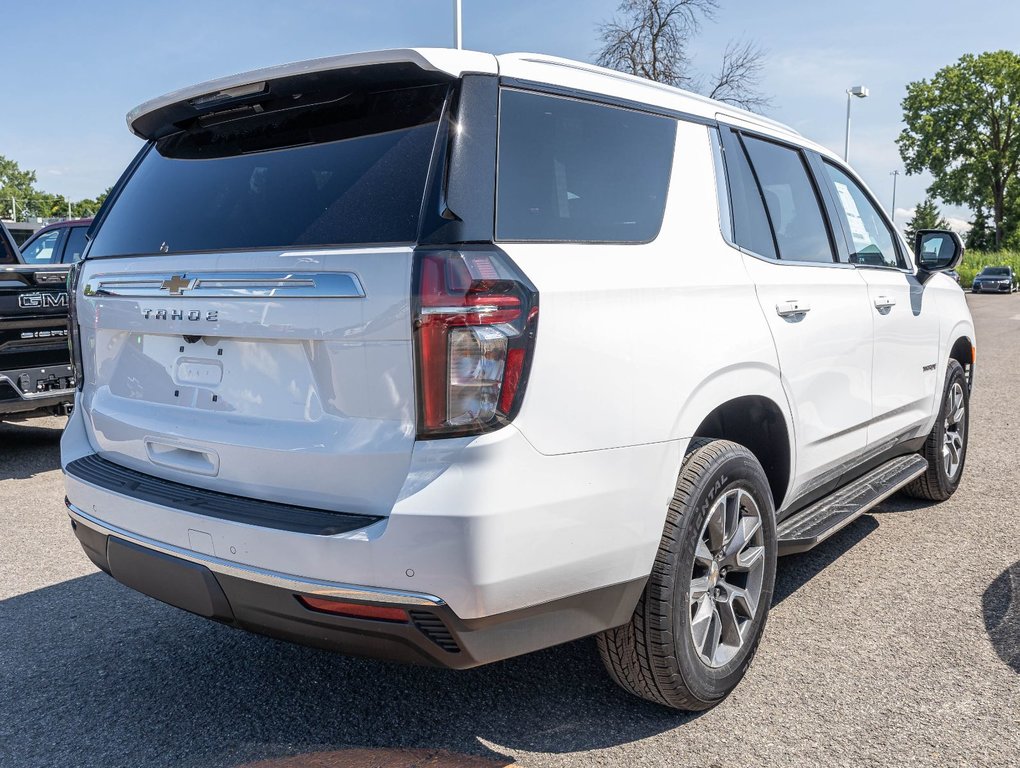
x=75, y=244
x=995, y=271
x=871, y=239
x=791, y=201
x=571, y=170
x=750, y=222
x=352, y=170
x=41, y=250
x=6, y=247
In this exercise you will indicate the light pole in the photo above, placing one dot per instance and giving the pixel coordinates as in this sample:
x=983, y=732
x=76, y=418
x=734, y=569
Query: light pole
x=892, y=211
x=458, y=37
x=861, y=93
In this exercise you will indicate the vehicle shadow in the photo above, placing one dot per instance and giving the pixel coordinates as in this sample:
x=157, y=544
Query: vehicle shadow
x=29, y=447
x=1001, y=607
x=138, y=682
x=794, y=571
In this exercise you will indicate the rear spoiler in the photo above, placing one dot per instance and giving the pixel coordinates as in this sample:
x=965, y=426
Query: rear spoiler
x=178, y=110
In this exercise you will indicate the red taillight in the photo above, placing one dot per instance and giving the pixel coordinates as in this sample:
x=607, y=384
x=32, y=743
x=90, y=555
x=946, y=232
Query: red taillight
x=474, y=326
x=352, y=610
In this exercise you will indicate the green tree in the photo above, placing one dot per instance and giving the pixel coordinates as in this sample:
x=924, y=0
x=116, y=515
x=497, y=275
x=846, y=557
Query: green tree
x=926, y=216
x=14, y=183
x=90, y=206
x=964, y=127
x=980, y=237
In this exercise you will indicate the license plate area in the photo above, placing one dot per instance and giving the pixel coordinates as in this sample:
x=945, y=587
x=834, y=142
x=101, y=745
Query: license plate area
x=269, y=378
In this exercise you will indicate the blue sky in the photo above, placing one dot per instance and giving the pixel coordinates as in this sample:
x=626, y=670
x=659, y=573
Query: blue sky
x=70, y=74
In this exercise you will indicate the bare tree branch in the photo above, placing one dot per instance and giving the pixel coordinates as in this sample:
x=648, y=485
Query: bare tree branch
x=738, y=77
x=650, y=38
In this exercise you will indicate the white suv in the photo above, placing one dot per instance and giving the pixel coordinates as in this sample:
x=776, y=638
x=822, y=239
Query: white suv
x=445, y=357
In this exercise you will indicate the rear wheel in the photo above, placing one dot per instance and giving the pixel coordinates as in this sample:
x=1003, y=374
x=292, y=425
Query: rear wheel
x=703, y=611
x=946, y=446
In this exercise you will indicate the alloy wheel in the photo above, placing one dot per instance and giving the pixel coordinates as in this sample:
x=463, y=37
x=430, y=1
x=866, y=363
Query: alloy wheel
x=953, y=432
x=726, y=581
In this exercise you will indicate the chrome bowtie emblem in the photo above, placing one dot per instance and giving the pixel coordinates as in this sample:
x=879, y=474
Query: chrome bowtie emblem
x=177, y=285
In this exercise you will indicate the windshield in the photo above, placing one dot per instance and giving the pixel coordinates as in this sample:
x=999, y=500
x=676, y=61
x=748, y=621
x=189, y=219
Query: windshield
x=995, y=271
x=352, y=170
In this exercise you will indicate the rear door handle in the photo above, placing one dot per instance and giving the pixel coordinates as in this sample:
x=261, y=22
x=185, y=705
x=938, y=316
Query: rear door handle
x=885, y=302
x=788, y=308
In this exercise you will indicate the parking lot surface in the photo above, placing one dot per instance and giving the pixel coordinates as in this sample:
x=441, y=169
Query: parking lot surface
x=897, y=642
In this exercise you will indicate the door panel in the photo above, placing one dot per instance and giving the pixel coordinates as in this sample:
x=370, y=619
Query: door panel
x=906, y=354
x=825, y=357
x=905, y=317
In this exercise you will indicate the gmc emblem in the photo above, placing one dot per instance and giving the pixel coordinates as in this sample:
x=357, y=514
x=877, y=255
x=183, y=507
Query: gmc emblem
x=42, y=300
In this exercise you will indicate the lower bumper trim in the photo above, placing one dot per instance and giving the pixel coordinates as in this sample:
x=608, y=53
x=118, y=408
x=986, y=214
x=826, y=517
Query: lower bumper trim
x=268, y=603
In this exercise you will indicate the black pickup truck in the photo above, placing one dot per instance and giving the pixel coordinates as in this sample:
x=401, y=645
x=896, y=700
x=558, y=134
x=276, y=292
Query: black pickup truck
x=36, y=377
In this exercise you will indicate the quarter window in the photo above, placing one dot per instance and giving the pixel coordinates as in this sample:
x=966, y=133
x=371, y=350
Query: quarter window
x=572, y=170
x=75, y=244
x=751, y=229
x=792, y=203
x=872, y=242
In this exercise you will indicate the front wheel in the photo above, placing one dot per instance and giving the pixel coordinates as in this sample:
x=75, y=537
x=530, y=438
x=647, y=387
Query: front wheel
x=946, y=446
x=703, y=611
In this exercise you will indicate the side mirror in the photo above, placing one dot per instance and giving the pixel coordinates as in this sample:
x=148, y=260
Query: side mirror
x=937, y=250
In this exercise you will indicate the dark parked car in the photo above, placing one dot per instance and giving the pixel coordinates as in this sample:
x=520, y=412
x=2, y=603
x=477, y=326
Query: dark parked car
x=995, y=280
x=60, y=243
x=36, y=377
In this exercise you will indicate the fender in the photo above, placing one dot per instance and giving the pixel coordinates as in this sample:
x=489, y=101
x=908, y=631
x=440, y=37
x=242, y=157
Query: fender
x=728, y=383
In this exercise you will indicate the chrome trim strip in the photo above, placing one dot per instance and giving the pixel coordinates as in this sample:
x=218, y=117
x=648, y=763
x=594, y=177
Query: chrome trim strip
x=251, y=573
x=229, y=285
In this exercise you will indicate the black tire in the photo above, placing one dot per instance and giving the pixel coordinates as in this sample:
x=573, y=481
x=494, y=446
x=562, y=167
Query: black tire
x=654, y=655
x=938, y=484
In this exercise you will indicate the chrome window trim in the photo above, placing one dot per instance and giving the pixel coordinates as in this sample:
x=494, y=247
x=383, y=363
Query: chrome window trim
x=791, y=263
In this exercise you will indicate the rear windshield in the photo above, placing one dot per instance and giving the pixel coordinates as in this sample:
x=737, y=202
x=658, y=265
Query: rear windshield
x=349, y=171
x=995, y=271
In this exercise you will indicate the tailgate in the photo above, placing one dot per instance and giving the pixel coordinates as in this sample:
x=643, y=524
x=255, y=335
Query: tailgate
x=286, y=376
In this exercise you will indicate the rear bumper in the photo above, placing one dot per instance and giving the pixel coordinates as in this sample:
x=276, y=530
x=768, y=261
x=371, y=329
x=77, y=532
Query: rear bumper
x=267, y=603
x=28, y=391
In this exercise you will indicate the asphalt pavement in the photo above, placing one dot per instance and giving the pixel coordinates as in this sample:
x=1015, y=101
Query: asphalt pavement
x=895, y=643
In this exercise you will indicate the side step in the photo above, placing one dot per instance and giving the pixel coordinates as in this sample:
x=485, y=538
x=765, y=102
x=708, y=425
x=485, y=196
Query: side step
x=813, y=525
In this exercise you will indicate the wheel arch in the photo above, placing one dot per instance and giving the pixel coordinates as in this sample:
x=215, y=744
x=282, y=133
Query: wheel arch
x=962, y=351
x=747, y=405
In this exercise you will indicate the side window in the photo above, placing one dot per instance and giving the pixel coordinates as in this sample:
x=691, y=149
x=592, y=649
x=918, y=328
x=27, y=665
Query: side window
x=792, y=202
x=751, y=229
x=571, y=170
x=41, y=250
x=872, y=241
x=75, y=244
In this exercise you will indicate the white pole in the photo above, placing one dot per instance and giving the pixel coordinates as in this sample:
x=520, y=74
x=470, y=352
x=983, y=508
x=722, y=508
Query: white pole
x=458, y=36
x=846, y=140
x=14, y=209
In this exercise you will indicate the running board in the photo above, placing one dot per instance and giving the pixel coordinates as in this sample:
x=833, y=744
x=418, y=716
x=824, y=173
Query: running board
x=813, y=525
